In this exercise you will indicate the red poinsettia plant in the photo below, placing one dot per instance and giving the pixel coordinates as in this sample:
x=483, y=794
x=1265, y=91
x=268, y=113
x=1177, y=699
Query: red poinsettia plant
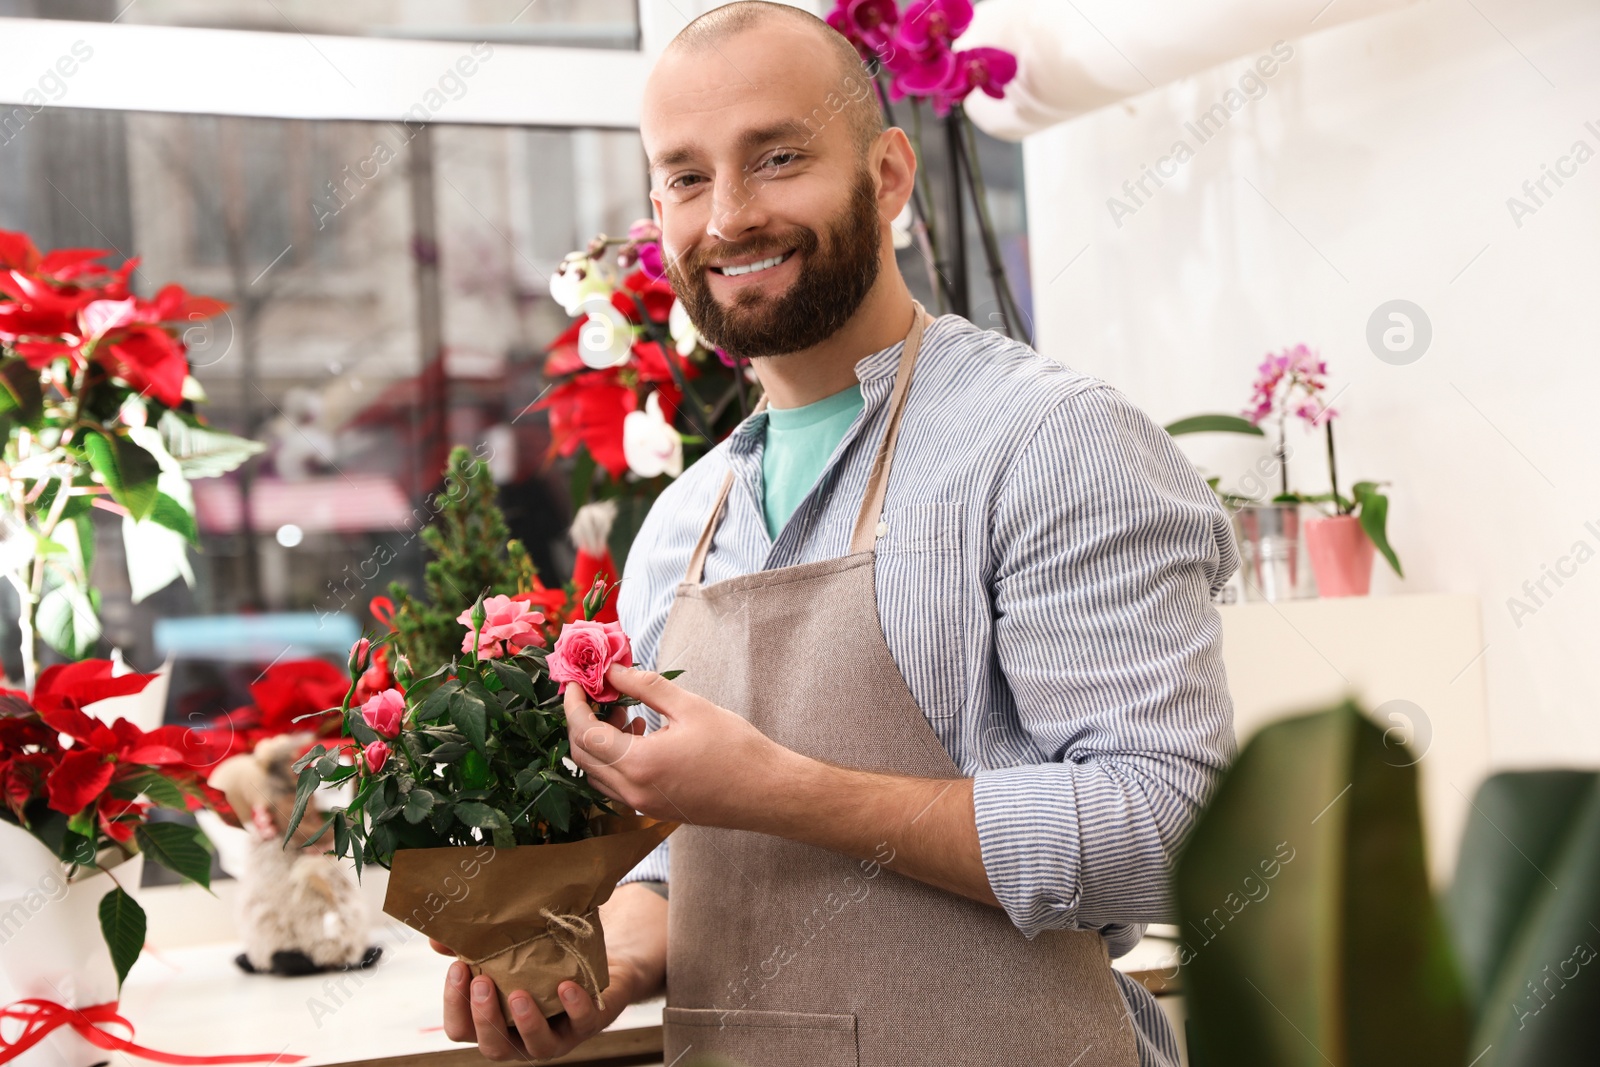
x=85, y=787
x=95, y=399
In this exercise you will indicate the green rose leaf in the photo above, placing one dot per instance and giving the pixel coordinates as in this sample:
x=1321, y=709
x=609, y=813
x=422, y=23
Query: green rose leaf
x=122, y=923
x=419, y=802
x=514, y=679
x=471, y=717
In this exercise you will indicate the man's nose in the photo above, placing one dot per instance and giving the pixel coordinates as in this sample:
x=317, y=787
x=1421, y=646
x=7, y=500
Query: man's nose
x=736, y=209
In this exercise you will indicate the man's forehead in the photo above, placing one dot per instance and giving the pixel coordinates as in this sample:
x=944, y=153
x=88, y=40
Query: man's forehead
x=754, y=78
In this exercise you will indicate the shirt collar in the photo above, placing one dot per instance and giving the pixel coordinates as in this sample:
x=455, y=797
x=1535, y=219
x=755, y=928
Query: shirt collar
x=878, y=366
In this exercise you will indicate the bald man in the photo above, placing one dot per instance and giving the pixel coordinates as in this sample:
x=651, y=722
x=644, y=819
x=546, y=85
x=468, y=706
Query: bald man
x=953, y=689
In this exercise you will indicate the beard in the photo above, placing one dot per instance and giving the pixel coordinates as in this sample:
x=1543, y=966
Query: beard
x=830, y=288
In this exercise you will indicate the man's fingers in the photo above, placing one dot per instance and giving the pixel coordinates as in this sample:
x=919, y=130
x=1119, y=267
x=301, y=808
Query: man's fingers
x=494, y=1036
x=662, y=694
x=457, y=1007
x=440, y=947
x=583, y=1016
x=537, y=1035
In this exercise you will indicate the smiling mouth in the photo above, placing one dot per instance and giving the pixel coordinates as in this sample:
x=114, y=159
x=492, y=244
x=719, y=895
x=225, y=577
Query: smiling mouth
x=753, y=268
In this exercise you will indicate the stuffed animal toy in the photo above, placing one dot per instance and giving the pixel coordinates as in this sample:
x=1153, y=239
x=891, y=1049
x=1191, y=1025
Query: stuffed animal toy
x=297, y=911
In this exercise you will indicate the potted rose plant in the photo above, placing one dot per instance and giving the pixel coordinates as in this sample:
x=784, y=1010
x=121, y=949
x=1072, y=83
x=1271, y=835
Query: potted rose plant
x=496, y=843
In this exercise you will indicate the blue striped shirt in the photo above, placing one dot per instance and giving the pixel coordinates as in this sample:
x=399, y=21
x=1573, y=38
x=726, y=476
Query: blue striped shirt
x=1045, y=586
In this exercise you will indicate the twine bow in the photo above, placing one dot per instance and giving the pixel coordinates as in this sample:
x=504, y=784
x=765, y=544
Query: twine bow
x=566, y=931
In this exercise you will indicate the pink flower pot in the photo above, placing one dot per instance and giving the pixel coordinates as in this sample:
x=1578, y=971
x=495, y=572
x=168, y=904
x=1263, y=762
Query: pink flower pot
x=1341, y=555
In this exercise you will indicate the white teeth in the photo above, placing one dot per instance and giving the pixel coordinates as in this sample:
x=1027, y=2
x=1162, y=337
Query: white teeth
x=751, y=268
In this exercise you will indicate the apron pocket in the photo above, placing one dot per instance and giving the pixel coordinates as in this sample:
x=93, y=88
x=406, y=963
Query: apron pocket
x=761, y=1038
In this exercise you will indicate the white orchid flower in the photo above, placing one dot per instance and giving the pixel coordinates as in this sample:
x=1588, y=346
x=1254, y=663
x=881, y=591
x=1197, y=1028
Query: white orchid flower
x=649, y=443
x=682, y=329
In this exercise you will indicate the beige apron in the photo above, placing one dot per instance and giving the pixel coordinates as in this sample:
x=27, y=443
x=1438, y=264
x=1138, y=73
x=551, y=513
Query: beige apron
x=787, y=955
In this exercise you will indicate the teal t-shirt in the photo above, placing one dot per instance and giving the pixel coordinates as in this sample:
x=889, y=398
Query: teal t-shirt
x=799, y=442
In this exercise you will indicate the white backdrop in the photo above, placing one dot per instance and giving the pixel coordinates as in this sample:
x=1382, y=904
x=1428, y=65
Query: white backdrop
x=1374, y=164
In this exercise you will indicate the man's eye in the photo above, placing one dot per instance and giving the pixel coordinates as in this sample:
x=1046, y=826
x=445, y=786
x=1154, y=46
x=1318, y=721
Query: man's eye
x=684, y=181
x=777, y=161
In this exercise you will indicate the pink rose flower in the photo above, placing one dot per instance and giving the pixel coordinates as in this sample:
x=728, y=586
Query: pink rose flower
x=583, y=652
x=508, y=626
x=375, y=756
x=384, y=711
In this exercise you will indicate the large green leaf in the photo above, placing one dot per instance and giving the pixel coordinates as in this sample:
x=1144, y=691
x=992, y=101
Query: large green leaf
x=1525, y=909
x=122, y=923
x=183, y=850
x=128, y=471
x=1310, y=934
x=203, y=452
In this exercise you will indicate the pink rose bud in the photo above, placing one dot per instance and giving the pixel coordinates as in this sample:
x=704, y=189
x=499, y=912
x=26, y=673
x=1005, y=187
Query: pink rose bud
x=360, y=656
x=384, y=711
x=584, y=651
x=375, y=756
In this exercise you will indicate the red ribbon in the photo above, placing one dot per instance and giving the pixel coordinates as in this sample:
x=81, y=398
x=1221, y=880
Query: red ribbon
x=382, y=609
x=40, y=1017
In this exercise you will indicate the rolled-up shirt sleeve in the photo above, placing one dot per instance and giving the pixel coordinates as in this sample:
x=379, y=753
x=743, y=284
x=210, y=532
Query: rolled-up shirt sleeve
x=1107, y=547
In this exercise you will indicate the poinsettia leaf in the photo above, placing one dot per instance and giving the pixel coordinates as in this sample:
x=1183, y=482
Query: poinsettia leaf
x=21, y=396
x=122, y=923
x=175, y=517
x=154, y=786
x=201, y=451
x=183, y=850
x=67, y=620
x=79, y=777
x=127, y=470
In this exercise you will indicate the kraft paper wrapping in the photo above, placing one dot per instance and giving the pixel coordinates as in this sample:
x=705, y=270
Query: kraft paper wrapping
x=487, y=905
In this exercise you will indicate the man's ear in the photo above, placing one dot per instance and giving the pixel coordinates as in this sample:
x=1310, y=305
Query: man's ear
x=896, y=171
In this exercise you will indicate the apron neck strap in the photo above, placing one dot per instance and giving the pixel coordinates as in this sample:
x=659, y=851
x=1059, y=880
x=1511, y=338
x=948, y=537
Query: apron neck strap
x=864, y=535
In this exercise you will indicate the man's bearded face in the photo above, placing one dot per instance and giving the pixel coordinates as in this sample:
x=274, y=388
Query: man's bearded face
x=832, y=276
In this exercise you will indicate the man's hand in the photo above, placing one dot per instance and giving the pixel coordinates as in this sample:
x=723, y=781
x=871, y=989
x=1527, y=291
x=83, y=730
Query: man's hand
x=710, y=767
x=707, y=765
x=635, y=919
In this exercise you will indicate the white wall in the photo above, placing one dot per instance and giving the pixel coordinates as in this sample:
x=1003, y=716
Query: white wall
x=1377, y=165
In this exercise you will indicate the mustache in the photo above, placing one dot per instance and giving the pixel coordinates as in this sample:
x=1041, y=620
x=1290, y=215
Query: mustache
x=801, y=240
